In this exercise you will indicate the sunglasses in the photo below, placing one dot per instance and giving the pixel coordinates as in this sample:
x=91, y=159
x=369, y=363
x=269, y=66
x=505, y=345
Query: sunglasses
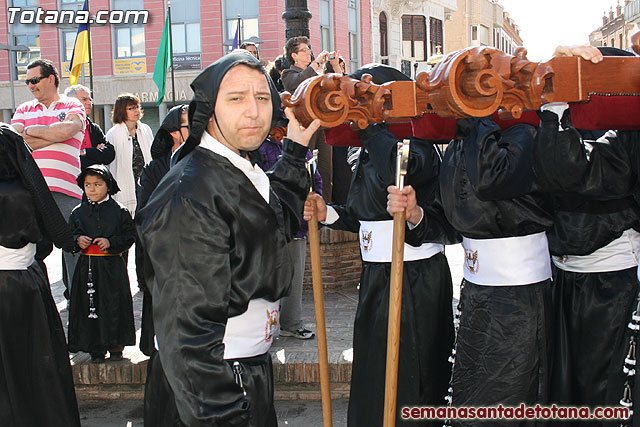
x=34, y=80
x=137, y=107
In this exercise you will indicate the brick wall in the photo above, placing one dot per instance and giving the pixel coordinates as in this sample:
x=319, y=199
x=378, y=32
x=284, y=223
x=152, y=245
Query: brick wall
x=339, y=258
x=211, y=24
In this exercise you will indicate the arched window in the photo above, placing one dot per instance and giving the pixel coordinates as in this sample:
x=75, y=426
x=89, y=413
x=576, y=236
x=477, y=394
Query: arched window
x=384, y=45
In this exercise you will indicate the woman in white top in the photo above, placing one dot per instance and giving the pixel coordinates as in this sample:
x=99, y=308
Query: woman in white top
x=132, y=141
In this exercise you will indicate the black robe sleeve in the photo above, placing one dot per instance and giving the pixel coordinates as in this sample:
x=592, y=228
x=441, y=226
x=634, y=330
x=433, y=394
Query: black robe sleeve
x=290, y=182
x=190, y=319
x=606, y=168
x=76, y=224
x=126, y=235
x=499, y=164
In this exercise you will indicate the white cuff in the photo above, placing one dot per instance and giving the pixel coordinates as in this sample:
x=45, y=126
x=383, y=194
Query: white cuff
x=332, y=216
x=412, y=226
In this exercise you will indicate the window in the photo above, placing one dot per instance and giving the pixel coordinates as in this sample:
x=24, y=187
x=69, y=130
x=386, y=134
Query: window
x=248, y=12
x=384, y=46
x=129, y=38
x=26, y=35
x=354, y=39
x=480, y=35
x=68, y=39
x=435, y=36
x=32, y=41
x=185, y=26
x=414, y=37
x=129, y=42
x=325, y=26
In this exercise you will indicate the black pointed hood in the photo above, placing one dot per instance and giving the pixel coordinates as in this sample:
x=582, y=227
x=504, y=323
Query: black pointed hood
x=381, y=73
x=163, y=142
x=205, y=92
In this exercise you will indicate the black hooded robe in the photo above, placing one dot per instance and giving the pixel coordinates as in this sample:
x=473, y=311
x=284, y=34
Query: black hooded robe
x=427, y=319
x=114, y=326
x=214, y=246
x=591, y=310
x=36, y=386
x=489, y=192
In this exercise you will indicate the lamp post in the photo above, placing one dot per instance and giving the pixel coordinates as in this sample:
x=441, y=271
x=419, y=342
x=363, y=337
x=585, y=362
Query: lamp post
x=12, y=67
x=296, y=16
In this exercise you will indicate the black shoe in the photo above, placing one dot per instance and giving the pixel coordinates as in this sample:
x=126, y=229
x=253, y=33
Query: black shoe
x=301, y=334
x=115, y=356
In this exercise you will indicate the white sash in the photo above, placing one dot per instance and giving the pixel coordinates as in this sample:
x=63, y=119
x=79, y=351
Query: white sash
x=620, y=254
x=17, y=259
x=509, y=261
x=252, y=332
x=376, y=239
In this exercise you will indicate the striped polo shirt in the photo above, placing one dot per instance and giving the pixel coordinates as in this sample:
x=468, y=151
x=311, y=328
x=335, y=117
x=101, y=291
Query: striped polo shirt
x=59, y=162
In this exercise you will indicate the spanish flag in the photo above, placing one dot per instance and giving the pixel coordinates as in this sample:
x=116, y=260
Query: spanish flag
x=80, y=51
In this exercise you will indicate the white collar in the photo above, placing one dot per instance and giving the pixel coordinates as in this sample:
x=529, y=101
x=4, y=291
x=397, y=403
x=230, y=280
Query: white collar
x=100, y=202
x=253, y=172
x=210, y=143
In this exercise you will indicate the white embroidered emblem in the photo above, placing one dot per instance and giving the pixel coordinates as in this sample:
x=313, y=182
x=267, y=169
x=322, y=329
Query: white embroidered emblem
x=471, y=261
x=62, y=116
x=272, y=324
x=366, y=237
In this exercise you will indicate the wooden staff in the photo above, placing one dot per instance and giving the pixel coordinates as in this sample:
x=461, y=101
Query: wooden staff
x=318, y=302
x=395, y=295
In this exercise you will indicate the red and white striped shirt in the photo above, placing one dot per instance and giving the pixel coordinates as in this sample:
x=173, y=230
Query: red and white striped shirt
x=59, y=162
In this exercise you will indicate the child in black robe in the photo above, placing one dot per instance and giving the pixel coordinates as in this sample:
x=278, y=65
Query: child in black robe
x=101, y=310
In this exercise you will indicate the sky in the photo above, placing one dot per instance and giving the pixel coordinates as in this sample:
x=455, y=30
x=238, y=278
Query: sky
x=545, y=24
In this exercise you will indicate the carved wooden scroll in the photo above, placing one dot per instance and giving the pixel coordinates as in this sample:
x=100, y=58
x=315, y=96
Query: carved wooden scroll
x=472, y=82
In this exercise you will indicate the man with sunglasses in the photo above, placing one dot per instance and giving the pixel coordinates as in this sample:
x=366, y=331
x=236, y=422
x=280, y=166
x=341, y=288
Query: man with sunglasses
x=53, y=126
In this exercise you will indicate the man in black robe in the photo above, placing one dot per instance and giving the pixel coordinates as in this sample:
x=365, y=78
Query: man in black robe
x=427, y=319
x=173, y=132
x=216, y=230
x=490, y=195
x=595, y=246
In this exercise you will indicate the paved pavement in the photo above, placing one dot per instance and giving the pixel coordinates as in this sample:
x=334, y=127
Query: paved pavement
x=129, y=413
x=293, y=359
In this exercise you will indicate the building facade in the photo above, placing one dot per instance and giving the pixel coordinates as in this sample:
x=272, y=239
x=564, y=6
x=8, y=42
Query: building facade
x=481, y=23
x=616, y=28
x=407, y=32
x=124, y=54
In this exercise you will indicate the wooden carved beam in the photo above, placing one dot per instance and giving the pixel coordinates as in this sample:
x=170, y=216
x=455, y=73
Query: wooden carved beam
x=472, y=82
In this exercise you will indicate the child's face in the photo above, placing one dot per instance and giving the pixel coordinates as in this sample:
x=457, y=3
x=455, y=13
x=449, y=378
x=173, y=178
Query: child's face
x=95, y=188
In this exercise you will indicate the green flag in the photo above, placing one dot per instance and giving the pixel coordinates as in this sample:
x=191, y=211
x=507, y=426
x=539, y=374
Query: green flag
x=163, y=61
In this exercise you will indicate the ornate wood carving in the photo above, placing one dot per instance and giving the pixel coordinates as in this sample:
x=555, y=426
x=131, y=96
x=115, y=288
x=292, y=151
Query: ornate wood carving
x=471, y=82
